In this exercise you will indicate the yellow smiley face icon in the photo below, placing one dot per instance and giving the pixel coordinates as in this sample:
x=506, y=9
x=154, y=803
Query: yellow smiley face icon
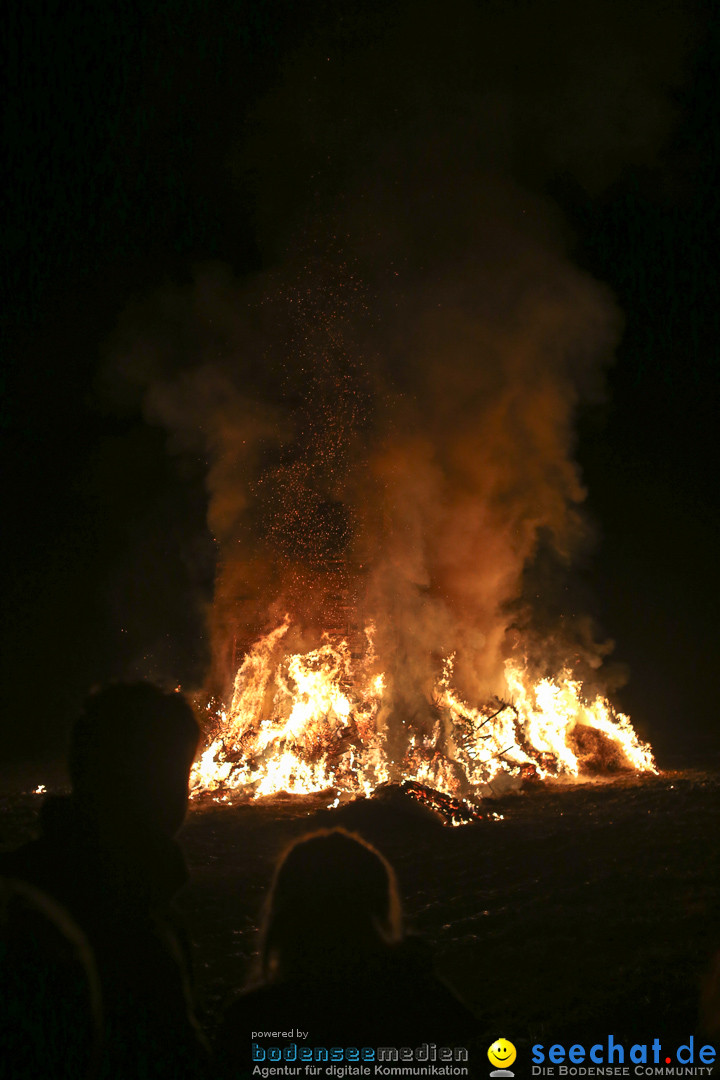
x=502, y=1053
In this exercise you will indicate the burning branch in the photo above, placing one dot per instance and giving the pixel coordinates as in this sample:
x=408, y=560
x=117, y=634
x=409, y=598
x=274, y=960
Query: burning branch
x=324, y=728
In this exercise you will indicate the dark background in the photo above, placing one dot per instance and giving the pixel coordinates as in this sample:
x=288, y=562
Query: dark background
x=117, y=179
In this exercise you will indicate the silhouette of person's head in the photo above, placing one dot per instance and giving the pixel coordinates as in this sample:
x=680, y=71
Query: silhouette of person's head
x=50, y=1002
x=130, y=756
x=333, y=904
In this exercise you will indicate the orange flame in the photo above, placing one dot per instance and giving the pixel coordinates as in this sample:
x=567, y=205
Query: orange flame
x=306, y=722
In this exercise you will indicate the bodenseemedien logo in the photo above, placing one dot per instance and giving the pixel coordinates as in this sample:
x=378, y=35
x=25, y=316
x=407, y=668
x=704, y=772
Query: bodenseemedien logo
x=502, y=1053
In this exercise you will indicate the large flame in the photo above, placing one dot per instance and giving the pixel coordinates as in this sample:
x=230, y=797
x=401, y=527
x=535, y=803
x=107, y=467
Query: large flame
x=308, y=722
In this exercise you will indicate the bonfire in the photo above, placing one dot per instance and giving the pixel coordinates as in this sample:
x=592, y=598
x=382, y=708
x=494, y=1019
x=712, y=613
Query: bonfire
x=322, y=720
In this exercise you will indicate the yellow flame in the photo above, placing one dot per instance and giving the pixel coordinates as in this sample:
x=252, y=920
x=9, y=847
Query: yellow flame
x=317, y=729
x=306, y=722
x=551, y=712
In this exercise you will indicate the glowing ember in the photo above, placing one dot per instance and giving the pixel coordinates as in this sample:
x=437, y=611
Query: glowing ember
x=306, y=722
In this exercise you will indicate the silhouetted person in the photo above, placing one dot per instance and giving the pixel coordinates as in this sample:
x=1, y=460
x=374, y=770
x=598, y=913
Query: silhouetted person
x=334, y=962
x=709, y=1018
x=108, y=856
x=50, y=1000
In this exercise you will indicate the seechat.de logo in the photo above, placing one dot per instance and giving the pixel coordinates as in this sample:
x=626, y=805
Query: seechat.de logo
x=502, y=1053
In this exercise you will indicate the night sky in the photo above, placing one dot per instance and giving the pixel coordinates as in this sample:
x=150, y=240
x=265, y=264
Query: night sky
x=151, y=149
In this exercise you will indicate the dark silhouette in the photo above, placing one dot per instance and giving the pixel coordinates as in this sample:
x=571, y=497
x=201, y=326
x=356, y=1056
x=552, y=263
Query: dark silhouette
x=335, y=964
x=50, y=1000
x=709, y=1018
x=108, y=856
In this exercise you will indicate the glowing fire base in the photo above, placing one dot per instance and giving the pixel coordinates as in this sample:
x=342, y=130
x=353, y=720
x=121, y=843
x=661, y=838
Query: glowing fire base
x=308, y=722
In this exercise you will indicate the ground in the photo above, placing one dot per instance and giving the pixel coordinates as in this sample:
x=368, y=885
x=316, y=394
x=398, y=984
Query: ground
x=571, y=913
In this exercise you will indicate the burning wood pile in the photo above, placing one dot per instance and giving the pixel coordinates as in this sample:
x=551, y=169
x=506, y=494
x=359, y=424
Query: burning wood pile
x=451, y=811
x=324, y=721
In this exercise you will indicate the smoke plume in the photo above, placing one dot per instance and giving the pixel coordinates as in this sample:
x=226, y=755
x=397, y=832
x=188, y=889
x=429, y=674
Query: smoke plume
x=387, y=411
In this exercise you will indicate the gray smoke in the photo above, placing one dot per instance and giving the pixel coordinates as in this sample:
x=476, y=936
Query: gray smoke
x=387, y=412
